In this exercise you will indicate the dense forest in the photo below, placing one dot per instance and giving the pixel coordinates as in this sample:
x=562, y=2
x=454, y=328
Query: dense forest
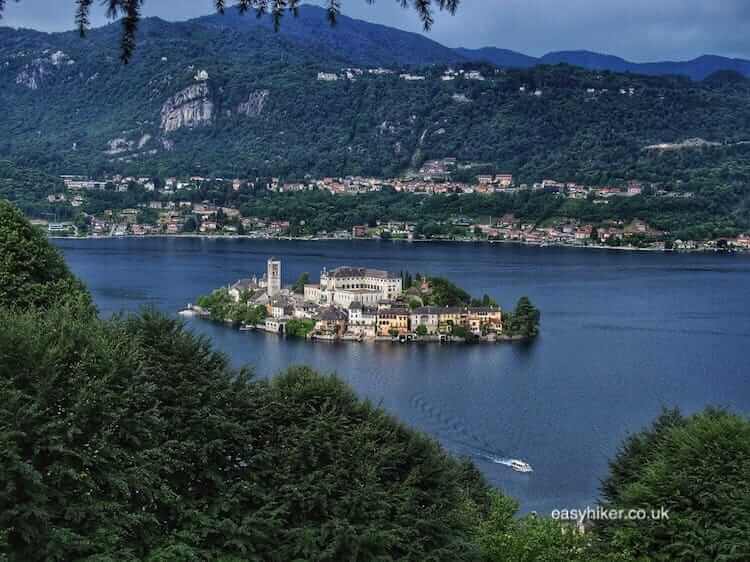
x=204, y=98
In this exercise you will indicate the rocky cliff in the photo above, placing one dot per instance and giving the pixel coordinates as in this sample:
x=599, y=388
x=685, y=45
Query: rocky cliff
x=191, y=107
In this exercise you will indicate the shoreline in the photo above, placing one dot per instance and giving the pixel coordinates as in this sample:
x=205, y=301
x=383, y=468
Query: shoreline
x=402, y=340
x=733, y=251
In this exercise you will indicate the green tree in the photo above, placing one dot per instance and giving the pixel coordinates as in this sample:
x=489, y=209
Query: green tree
x=133, y=439
x=32, y=272
x=502, y=536
x=421, y=330
x=300, y=328
x=446, y=293
x=459, y=331
x=191, y=224
x=299, y=284
x=698, y=469
x=148, y=216
x=523, y=321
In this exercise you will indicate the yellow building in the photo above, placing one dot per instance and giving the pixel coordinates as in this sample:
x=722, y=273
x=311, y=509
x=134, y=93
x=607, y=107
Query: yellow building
x=451, y=316
x=478, y=317
x=473, y=319
x=393, y=321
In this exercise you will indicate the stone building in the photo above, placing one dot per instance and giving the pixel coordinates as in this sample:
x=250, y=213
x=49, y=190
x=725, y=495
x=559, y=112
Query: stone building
x=344, y=285
x=273, y=275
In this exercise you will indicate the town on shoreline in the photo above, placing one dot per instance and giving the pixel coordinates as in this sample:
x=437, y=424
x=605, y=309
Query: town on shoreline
x=120, y=206
x=365, y=304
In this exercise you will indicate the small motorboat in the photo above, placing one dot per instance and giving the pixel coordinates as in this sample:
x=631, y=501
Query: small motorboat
x=520, y=466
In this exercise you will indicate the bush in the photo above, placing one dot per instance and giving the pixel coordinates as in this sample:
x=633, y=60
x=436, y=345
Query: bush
x=503, y=536
x=698, y=468
x=300, y=328
x=132, y=439
x=32, y=272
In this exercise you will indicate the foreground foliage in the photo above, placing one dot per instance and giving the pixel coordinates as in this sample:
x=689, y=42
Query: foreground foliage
x=503, y=536
x=133, y=439
x=696, y=467
x=32, y=272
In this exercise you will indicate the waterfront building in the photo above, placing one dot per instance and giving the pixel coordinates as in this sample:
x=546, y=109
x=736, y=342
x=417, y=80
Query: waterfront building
x=427, y=316
x=275, y=325
x=357, y=302
x=451, y=316
x=331, y=321
x=484, y=317
x=362, y=320
x=393, y=321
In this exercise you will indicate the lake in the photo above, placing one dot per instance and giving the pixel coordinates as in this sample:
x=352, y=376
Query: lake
x=623, y=335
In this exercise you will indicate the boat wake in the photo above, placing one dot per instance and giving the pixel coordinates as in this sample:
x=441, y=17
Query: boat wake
x=454, y=429
x=495, y=459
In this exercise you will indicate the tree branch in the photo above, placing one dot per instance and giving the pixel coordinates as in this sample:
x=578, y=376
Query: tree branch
x=130, y=11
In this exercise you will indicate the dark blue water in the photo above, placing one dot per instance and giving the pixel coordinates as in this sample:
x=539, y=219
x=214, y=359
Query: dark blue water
x=623, y=334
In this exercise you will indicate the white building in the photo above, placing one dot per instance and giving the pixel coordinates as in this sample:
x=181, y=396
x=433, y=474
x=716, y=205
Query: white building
x=427, y=316
x=362, y=320
x=344, y=285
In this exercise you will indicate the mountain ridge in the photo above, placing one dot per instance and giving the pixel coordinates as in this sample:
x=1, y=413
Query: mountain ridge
x=698, y=68
x=358, y=41
x=237, y=99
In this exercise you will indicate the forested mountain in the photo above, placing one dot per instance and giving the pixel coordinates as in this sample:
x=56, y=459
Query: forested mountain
x=351, y=40
x=226, y=95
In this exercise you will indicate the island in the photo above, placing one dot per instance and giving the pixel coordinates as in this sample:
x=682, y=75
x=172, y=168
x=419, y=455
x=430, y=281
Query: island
x=361, y=303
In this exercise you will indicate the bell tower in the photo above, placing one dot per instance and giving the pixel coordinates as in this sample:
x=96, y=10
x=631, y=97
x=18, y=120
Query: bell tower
x=273, y=276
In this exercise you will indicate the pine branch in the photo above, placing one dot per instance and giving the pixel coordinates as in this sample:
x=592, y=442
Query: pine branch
x=333, y=9
x=82, y=16
x=424, y=11
x=278, y=11
x=130, y=11
x=294, y=7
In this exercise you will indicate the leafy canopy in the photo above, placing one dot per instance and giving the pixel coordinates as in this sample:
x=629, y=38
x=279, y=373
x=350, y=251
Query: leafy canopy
x=133, y=439
x=32, y=272
x=698, y=468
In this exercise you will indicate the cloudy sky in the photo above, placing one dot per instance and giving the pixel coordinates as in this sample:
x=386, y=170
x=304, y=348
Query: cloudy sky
x=639, y=30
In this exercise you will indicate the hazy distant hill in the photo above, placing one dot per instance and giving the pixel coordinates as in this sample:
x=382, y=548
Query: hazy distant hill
x=504, y=58
x=697, y=69
x=230, y=96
